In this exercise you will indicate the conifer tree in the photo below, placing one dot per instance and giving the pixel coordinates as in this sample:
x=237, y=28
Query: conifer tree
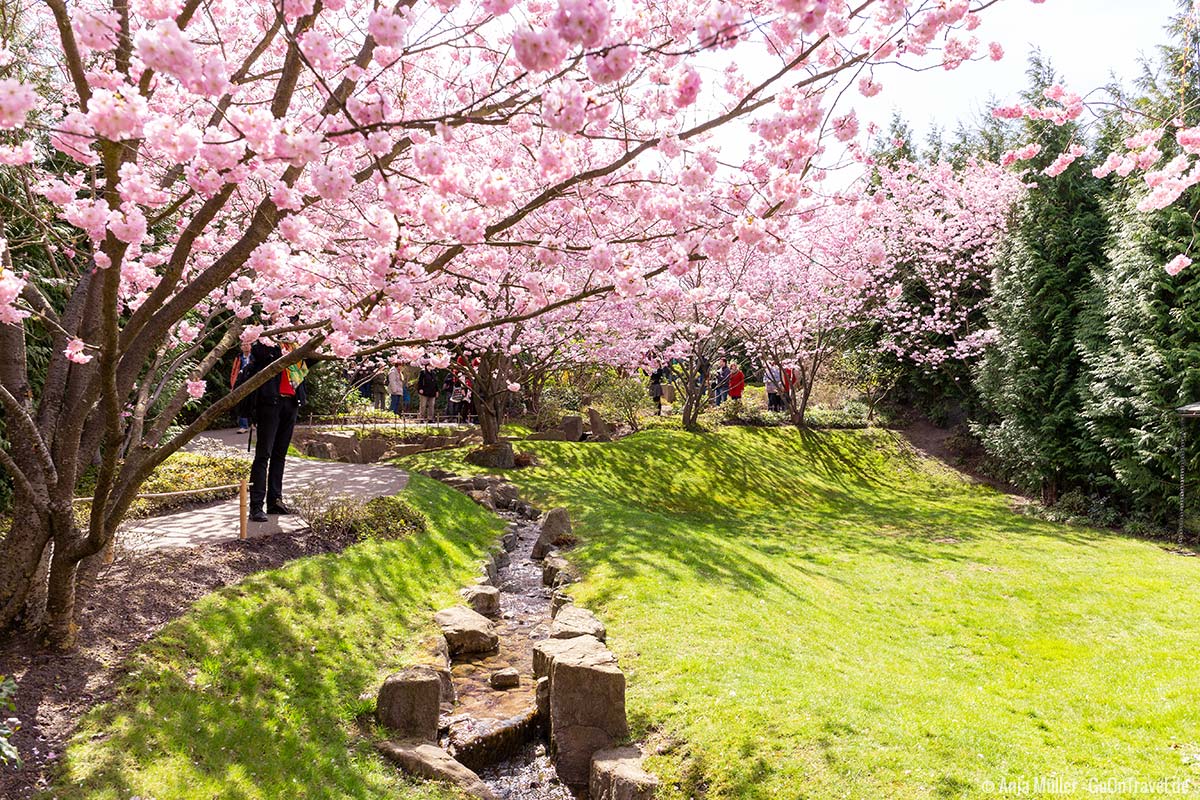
x=1030, y=377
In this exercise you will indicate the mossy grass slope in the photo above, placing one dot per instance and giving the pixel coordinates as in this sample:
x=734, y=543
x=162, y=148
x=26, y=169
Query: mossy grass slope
x=253, y=694
x=829, y=615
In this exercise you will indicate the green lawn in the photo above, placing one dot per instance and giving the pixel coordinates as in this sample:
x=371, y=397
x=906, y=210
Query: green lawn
x=829, y=616
x=252, y=695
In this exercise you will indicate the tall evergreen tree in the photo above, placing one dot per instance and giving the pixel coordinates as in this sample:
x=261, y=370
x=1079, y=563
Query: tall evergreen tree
x=1141, y=337
x=1030, y=377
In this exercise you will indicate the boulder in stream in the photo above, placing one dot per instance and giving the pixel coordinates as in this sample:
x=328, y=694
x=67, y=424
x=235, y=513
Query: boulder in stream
x=545, y=651
x=617, y=774
x=557, y=571
x=555, y=531
x=409, y=702
x=587, y=710
x=426, y=760
x=573, y=621
x=466, y=631
x=483, y=599
x=507, y=678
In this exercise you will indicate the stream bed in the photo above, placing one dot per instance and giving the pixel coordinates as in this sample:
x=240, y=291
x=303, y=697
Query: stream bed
x=496, y=732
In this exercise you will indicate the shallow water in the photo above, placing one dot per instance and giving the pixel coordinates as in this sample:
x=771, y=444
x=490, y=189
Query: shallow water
x=494, y=731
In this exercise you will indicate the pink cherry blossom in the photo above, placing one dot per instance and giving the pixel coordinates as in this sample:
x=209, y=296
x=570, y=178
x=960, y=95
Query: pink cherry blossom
x=195, y=389
x=16, y=101
x=539, y=51
x=75, y=352
x=1178, y=264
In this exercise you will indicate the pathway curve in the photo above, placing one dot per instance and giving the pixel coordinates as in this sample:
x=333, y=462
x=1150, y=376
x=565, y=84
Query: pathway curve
x=219, y=521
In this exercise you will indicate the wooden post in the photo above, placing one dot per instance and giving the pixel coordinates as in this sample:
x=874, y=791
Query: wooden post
x=244, y=508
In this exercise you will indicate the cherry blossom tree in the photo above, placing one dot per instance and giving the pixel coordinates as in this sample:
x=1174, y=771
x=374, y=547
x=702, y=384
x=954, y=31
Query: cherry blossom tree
x=197, y=172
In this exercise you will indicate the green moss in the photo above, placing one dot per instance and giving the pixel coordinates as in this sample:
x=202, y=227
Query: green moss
x=252, y=694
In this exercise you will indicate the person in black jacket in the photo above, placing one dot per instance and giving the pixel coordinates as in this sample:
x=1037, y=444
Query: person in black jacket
x=276, y=405
x=427, y=388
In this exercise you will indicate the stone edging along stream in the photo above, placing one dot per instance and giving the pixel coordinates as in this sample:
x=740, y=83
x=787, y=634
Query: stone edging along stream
x=517, y=663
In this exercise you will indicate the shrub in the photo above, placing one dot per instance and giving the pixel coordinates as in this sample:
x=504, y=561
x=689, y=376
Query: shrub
x=8, y=725
x=525, y=459
x=350, y=519
x=623, y=397
x=389, y=518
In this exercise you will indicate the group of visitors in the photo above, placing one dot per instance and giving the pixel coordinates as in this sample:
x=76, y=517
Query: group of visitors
x=779, y=382
x=393, y=390
x=728, y=382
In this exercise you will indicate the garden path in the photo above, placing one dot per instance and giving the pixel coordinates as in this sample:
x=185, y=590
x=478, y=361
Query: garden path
x=218, y=521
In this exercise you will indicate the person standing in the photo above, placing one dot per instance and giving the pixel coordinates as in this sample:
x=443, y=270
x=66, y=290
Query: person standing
x=395, y=385
x=241, y=371
x=427, y=390
x=771, y=380
x=737, y=382
x=276, y=405
x=656, y=389
x=379, y=390
x=721, y=393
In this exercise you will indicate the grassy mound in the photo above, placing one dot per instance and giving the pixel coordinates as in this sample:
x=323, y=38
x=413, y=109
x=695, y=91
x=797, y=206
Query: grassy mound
x=252, y=694
x=828, y=615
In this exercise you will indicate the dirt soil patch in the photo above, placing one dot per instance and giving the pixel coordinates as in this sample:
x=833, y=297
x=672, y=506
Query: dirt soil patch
x=123, y=606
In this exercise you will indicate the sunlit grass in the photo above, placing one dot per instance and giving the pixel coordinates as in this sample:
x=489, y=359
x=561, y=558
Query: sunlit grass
x=252, y=694
x=827, y=615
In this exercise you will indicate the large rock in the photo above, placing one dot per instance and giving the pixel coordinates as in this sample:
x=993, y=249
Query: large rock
x=492, y=456
x=587, y=711
x=617, y=774
x=430, y=761
x=547, y=650
x=573, y=621
x=409, y=702
x=504, y=495
x=556, y=571
x=601, y=431
x=483, y=599
x=555, y=531
x=372, y=449
x=572, y=428
x=466, y=631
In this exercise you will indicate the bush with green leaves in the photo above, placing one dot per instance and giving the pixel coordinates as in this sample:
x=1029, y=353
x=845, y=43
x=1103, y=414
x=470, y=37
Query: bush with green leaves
x=623, y=397
x=352, y=519
x=8, y=725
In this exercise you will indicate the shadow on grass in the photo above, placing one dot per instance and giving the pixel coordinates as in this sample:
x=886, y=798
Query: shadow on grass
x=252, y=694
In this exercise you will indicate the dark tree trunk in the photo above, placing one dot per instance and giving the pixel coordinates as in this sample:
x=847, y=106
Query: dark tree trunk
x=22, y=552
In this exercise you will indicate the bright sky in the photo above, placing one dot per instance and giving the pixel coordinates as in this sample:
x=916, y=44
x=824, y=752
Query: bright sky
x=1087, y=41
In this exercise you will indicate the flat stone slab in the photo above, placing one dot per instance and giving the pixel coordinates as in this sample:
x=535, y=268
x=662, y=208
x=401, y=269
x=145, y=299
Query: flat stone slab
x=572, y=621
x=426, y=760
x=546, y=651
x=617, y=774
x=466, y=631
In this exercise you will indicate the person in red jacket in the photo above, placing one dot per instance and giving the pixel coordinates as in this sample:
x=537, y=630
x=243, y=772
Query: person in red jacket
x=737, y=382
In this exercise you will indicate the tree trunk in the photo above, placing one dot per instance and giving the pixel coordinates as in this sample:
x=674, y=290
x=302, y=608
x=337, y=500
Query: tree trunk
x=21, y=553
x=60, y=625
x=489, y=421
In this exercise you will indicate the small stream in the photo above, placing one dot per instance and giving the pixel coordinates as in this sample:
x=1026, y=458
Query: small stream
x=497, y=732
